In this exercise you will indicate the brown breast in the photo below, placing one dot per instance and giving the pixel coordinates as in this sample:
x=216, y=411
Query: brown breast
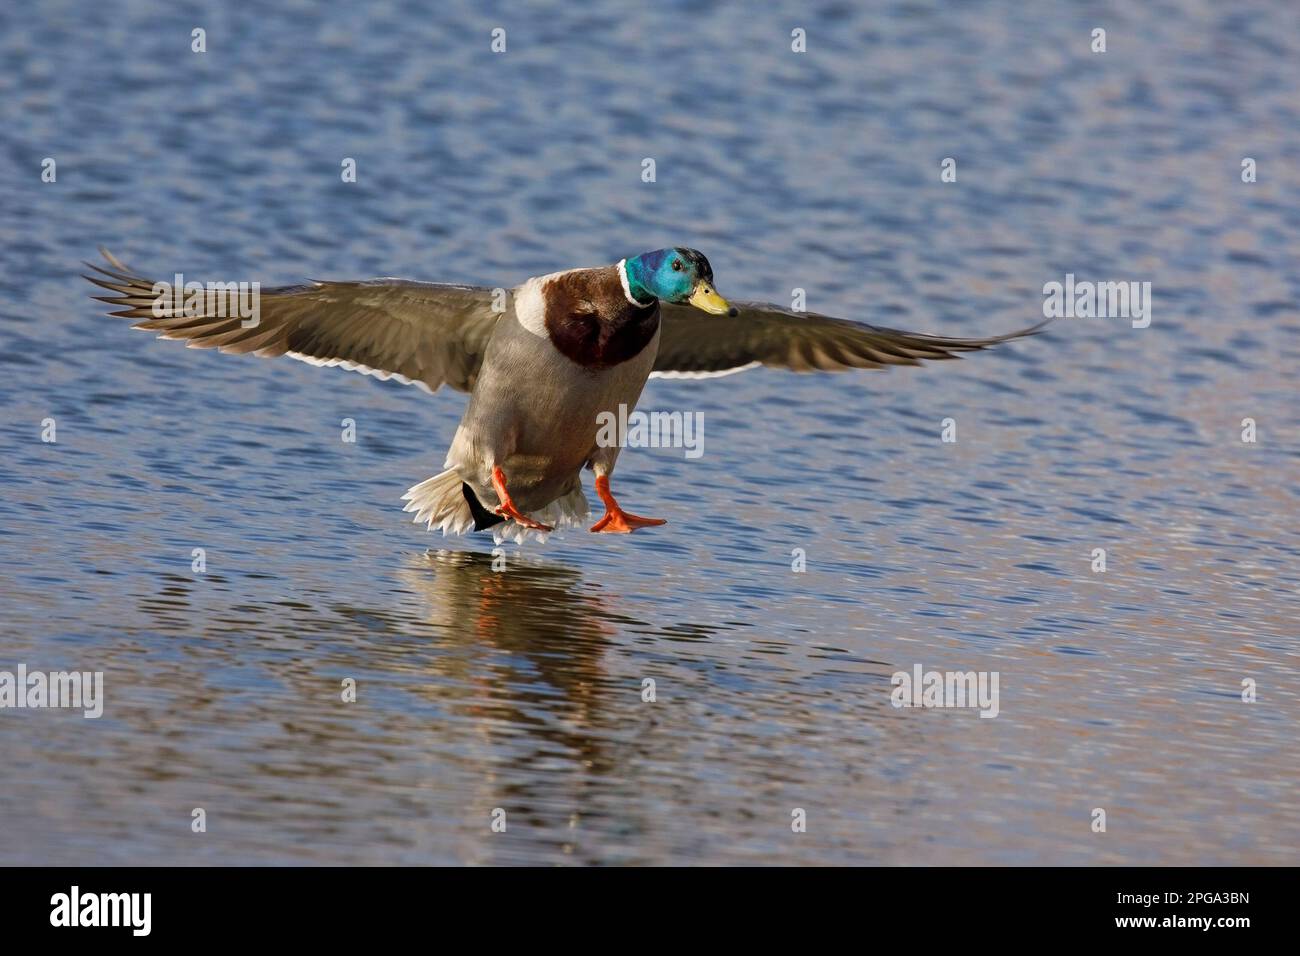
x=591, y=322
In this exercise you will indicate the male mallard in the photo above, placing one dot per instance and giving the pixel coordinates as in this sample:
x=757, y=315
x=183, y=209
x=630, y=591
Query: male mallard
x=539, y=371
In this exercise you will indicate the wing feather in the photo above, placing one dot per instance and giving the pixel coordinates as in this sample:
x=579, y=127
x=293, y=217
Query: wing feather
x=694, y=344
x=417, y=332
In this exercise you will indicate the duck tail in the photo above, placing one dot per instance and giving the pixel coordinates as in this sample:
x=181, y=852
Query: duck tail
x=444, y=502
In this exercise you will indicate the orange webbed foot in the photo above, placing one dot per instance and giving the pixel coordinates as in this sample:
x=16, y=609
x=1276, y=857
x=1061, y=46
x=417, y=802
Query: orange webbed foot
x=522, y=519
x=508, y=509
x=620, y=522
x=616, y=520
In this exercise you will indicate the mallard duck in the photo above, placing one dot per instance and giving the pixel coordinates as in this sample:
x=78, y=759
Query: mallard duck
x=540, y=365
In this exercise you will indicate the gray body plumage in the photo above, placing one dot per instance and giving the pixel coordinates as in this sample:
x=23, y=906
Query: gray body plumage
x=543, y=435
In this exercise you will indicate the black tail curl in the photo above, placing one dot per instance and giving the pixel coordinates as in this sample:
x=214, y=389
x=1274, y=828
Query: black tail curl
x=483, y=518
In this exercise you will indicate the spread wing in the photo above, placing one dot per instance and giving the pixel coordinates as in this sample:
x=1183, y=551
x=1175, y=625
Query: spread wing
x=694, y=344
x=416, y=332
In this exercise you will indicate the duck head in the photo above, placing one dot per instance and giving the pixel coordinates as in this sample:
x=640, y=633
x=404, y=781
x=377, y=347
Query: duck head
x=680, y=276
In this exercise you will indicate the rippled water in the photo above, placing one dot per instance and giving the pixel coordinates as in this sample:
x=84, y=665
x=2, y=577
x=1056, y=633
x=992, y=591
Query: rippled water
x=522, y=690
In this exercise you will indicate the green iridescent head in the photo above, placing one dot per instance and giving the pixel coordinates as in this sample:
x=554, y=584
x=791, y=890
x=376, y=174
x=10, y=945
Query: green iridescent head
x=680, y=276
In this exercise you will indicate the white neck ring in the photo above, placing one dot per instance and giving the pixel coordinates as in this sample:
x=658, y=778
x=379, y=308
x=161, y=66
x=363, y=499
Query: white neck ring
x=627, y=289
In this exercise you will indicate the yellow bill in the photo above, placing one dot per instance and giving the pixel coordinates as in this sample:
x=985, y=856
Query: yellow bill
x=705, y=297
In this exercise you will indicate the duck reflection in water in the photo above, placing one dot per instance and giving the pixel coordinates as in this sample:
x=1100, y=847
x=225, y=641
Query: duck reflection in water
x=526, y=649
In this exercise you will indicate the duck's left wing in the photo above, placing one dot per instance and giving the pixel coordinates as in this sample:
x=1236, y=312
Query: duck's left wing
x=694, y=344
x=415, y=332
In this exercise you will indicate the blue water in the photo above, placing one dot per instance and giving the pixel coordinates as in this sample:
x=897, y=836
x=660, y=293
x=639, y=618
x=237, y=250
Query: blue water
x=522, y=690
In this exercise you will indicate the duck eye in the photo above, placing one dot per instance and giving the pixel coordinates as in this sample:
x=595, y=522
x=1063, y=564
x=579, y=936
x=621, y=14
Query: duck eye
x=677, y=265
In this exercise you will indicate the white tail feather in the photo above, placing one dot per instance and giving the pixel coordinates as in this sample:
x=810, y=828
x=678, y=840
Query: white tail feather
x=440, y=503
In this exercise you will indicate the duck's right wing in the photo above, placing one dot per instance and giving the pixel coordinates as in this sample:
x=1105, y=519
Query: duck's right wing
x=416, y=332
